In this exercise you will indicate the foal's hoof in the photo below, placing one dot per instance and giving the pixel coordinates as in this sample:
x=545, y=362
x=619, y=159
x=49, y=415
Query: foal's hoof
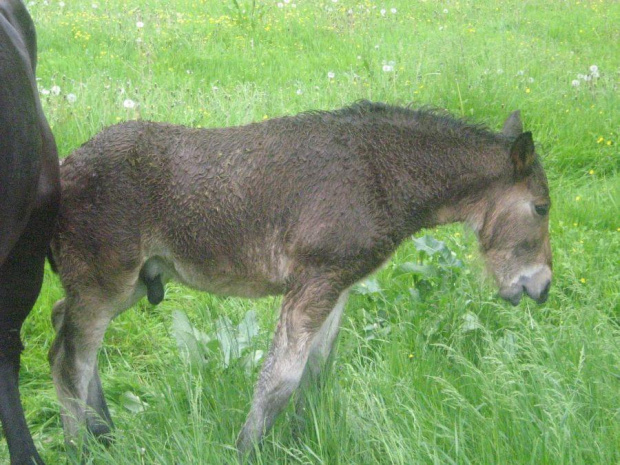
x=102, y=432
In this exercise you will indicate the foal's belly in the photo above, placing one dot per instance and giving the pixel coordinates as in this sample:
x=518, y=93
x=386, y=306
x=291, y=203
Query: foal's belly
x=227, y=282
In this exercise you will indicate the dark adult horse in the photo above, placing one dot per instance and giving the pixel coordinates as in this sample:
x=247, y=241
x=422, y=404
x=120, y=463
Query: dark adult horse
x=29, y=197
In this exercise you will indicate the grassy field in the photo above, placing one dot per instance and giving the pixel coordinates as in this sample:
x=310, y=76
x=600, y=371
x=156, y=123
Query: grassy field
x=430, y=368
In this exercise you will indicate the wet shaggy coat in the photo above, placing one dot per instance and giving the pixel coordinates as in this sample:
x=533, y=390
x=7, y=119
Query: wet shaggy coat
x=303, y=206
x=320, y=188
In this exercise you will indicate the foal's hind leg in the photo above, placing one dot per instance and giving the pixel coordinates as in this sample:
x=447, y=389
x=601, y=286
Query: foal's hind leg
x=304, y=310
x=80, y=324
x=101, y=423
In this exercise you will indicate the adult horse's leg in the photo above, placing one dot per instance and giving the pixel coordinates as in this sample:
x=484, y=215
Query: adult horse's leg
x=21, y=276
x=304, y=310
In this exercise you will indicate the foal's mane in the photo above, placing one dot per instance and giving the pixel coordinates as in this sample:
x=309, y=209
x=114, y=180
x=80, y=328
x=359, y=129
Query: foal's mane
x=424, y=118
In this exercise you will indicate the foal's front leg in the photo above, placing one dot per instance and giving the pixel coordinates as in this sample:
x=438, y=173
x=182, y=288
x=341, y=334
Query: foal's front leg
x=304, y=310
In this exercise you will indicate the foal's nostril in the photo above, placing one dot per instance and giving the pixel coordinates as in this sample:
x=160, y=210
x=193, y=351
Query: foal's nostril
x=545, y=293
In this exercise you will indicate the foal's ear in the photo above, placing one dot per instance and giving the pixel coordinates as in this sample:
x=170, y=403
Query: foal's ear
x=522, y=153
x=513, y=125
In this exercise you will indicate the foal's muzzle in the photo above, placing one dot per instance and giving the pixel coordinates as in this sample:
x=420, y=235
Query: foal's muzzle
x=534, y=282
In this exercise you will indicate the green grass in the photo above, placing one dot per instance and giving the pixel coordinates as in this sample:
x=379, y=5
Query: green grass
x=454, y=377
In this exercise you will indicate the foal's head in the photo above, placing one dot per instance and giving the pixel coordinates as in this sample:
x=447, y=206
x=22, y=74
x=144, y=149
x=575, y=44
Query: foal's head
x=514, y=234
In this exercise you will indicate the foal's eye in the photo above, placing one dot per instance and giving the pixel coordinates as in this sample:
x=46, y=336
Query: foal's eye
x=542, y=210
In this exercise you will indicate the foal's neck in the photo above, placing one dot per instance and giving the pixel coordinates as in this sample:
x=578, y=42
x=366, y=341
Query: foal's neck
x=465, y=187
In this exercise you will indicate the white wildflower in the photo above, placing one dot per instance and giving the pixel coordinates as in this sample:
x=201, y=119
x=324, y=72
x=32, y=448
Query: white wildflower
x=331, y=75
x=139, y=24
x=128, y=103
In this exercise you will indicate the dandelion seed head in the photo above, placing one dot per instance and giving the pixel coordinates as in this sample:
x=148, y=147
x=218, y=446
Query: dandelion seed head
x=55, y=90
x=331, y=75
x=594, y=69
x=71, y=98
x=575, y=83
x=128, y=103
x=139, y=24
